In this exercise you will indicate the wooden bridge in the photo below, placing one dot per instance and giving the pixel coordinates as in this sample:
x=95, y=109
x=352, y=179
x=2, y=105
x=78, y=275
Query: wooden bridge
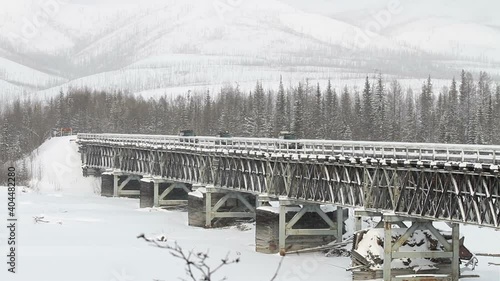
x=454, y=183
x=412, y=181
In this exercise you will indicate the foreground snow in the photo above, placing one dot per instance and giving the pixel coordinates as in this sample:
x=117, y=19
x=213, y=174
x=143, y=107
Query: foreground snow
x=88, y=237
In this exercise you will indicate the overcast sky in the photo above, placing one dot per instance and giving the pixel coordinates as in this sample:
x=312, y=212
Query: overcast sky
x=480, y=11
x=466, y=9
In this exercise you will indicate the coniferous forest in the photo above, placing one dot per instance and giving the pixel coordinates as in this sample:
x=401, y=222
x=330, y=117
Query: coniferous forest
x=467, y=111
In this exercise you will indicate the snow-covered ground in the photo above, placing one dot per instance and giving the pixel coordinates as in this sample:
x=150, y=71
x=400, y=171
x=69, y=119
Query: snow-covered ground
x=87, y=237
x=94, y=238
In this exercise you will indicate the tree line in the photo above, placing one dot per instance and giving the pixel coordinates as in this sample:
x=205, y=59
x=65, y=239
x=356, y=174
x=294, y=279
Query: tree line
x=467, y=111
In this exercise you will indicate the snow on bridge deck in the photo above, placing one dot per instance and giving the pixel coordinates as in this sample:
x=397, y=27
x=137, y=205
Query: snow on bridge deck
x=478, y=154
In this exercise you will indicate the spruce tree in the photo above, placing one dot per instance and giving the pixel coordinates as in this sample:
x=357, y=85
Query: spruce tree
x=410, y=120
x=259, y=105
x=452, y=122
x=367, y=112
x=280, y=116
x=426, y=124
x=394, y=115
x=346, y=113
x=298, y=122
x=489, y=125
x=380, y=125
x=331, y=112
x=357, y=118
x=207, y=116
x=466, y=106
x=317, y=114
x=496, y=115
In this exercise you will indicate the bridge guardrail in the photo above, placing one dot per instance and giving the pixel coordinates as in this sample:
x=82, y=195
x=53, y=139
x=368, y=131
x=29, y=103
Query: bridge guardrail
x=483, y=154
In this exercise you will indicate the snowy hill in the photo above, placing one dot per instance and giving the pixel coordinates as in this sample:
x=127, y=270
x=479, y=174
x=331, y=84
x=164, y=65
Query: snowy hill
x=167, y=46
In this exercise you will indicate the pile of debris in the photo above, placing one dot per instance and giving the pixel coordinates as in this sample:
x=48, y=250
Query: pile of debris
x=368, y=253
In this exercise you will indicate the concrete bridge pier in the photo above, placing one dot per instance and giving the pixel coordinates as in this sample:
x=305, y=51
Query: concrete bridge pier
x=213, y=207
x=120, y=184
x=297, y=225
x=155, y=192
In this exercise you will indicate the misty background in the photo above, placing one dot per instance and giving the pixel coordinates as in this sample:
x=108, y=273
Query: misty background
x=152, y=48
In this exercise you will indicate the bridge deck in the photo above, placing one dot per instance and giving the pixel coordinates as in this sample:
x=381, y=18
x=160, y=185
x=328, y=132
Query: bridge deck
x=456, y=183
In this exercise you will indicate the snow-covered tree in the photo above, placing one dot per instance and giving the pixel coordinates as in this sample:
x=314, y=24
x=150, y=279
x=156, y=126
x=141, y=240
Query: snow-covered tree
x=367, y=112
x=280, y=117
x=380, y=118
x=298, y=121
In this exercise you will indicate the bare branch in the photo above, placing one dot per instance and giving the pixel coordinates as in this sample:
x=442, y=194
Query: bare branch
x=278, y=269
x=196, y=262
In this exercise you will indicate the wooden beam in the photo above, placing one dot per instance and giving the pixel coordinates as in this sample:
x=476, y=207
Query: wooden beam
x=427, y=255
x=331, y=231
x=405, y=236
x=439, y=236
x=233, y=215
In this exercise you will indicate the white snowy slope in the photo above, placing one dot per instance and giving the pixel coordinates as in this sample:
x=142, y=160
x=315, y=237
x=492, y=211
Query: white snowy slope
x=167, y=46
x=456, y=27
x=473, y=40
x=19, y=74
x=56, y=167
x=9, y=92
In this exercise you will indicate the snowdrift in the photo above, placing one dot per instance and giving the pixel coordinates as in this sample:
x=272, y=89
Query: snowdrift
x=56, y=167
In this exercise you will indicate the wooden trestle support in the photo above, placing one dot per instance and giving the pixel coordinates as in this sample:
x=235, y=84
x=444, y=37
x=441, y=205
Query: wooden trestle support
x=392, y=246
x=156, y=192
x=286, y=228
x=213, y=211
x=119, y=184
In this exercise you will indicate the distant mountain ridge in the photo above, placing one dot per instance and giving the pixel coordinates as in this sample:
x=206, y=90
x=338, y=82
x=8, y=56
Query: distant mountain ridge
x=168, y=46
